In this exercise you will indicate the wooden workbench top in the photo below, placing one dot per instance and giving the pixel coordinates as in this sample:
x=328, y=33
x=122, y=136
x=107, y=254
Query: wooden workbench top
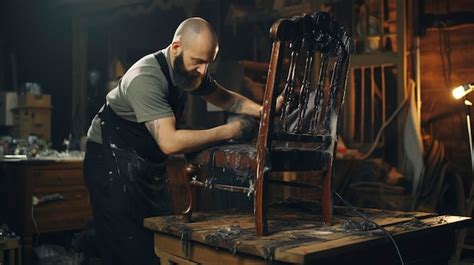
x=297, y=232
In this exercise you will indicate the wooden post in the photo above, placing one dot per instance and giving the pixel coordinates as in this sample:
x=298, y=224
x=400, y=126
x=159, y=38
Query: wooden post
x=79, y=76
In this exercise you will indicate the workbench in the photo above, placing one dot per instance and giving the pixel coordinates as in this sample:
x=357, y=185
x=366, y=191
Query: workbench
x=298, y=236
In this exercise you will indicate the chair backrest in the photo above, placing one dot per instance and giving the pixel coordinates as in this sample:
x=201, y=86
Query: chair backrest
x=305, y=48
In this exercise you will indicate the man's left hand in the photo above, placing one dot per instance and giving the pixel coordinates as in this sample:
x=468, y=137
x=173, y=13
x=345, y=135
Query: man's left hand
x=278, y=105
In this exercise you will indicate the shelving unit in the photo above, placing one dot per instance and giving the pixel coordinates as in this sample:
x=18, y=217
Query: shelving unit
x=378, y=75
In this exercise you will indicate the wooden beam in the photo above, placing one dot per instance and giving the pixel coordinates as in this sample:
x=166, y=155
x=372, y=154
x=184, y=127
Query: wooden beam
x=79, y=76
x=90, y=6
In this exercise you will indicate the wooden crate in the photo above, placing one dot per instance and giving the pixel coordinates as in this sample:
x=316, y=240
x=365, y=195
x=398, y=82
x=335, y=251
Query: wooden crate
x=34, y=100
x=32, y=121
x=10, y=251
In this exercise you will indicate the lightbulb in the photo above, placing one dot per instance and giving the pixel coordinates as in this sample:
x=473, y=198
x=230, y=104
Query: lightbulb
x=462, y=91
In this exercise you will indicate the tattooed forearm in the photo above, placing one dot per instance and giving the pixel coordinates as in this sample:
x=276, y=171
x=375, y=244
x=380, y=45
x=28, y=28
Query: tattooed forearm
x=236, y=106
x=153, y=127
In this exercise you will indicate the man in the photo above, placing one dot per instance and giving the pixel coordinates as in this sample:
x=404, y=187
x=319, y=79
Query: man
x=131, y=136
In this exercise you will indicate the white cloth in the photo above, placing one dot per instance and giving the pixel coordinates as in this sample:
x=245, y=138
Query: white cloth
x=412, y=142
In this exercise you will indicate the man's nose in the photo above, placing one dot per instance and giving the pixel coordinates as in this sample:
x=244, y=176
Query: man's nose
x=202, y=68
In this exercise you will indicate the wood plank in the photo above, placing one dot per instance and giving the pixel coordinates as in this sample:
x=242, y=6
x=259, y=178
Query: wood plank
x=58, y=189
x=377, y=59
x=322, y=235
x=342, y=245
x=237, y=232
x=441, y=6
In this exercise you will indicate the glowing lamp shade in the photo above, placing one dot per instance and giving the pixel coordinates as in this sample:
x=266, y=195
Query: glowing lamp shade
x=462, y=91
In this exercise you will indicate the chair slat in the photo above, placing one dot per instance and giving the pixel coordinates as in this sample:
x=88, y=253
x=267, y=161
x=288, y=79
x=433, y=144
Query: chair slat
x=319, y=97
x=289, y=89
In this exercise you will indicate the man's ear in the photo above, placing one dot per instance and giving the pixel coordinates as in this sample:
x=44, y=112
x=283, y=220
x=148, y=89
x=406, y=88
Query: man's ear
x=176, y=48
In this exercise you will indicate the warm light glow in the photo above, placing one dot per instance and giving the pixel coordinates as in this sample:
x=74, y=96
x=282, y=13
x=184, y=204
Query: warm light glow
x=462, y=91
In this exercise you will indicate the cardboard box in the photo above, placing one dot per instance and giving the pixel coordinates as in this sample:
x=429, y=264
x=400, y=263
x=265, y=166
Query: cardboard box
x=8, y=101
x=32, y=121
x=34, y=100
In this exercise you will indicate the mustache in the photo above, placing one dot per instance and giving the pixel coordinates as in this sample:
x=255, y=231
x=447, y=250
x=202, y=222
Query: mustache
x=195, y=74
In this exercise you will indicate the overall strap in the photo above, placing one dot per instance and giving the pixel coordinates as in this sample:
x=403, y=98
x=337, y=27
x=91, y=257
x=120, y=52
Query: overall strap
x=160, y=57
x=177, y=98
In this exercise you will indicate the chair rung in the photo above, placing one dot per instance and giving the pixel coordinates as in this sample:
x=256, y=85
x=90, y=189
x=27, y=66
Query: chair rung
x=294, y=184
x=302, y=137
x=250, y=190
x=221, y=187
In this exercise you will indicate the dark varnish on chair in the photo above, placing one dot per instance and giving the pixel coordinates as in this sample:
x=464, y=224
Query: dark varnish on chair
x=303, y=136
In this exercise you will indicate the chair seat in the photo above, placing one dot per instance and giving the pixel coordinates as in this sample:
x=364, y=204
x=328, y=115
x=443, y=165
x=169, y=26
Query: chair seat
x=241, y=159
x=235, y=160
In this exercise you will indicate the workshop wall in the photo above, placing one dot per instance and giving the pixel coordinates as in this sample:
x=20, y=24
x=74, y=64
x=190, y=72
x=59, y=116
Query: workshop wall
x=446, y=62
x=39, y=38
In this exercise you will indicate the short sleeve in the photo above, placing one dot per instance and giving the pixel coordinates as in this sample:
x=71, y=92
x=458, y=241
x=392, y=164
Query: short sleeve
x=148, y=97
x=208, y=85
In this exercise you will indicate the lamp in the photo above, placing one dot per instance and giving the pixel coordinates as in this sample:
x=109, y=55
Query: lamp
x=462, y=91
x=459, y=92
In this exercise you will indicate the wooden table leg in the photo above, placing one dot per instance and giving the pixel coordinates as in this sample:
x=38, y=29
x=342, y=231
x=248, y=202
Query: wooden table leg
x=170, y=259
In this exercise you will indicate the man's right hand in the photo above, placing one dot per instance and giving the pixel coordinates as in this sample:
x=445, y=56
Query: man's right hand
x=244, y=128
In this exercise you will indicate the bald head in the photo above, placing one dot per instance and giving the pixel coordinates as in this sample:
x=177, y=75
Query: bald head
x=193, y=30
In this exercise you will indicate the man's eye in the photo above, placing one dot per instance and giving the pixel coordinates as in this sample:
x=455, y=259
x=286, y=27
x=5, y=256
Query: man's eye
x=197, y=61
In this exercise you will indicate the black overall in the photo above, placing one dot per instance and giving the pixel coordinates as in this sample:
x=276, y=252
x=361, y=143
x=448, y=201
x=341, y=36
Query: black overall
x=127, y=183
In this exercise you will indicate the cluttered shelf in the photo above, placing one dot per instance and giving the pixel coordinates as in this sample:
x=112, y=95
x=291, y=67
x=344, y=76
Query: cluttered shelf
x=297, y=235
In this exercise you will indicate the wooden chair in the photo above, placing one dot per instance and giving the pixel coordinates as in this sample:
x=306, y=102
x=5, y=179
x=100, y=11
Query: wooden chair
x=303, y=137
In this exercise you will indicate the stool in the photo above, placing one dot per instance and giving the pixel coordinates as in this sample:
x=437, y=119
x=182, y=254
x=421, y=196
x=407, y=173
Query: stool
x=10, y=251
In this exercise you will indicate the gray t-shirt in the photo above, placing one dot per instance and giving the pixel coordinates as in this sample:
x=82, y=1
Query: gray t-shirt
x=142, y=94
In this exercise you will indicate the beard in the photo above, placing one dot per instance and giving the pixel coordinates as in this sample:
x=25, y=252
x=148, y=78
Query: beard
x=192, y=79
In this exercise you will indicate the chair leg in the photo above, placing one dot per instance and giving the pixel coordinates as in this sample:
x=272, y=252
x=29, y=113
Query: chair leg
x=327, y=195
x=189, y=172
x=261, y=205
